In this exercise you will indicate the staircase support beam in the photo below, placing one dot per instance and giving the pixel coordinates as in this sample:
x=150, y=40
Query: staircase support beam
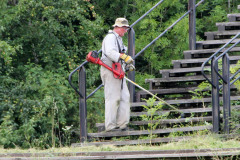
x=131, y=52
x=215, y=98
x=82, y=104
x=192, y=24
x=226, y=94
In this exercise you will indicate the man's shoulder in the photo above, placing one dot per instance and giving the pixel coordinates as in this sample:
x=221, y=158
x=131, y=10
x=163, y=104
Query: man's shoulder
x=110, y=35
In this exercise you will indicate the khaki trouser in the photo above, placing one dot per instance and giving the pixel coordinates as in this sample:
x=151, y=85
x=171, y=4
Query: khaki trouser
x=117, y=101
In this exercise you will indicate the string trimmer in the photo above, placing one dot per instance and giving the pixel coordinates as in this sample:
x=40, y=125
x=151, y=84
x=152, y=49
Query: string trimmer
x=118, y=73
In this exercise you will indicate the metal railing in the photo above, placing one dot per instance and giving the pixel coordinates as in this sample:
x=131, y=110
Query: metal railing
x=131, y=52
x=225, y=77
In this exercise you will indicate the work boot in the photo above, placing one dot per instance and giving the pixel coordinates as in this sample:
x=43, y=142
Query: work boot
x=113, y=130
x=126, y=129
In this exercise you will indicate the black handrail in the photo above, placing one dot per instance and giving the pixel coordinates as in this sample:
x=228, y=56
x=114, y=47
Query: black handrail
x=221, y=55
x=212, y=56
x=225, y=86
x=170, y=27
x=70, y=78
x=139, y=19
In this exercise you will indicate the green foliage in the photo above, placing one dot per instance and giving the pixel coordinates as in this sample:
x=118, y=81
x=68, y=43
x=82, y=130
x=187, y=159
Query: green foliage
x=140, y=79
x=233, y=70
x=151, y=116
x=40, y=42
x=202, y=91
x=95, y=109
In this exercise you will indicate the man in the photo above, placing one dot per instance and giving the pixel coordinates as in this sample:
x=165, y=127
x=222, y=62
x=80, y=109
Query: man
x=117, y=97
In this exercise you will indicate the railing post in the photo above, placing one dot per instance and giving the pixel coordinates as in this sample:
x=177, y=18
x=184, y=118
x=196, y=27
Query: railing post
x=226, y=94
x=82, y=104
x=131, y=52
x=192, y=24
x=215, y=97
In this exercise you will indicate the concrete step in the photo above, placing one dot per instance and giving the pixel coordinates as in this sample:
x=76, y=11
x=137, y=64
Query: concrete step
x=210, y=44
x=169, y=91
x=184, y=63
x=221, y=34
x=146, y=132
x=224, y=26
x=184, y=111
x=142, y=94
x=173, y=82
x=233, y=17
x=162, y=122
x=166, y=73
x=180, y=72
x=182, y=101
x=204, y=53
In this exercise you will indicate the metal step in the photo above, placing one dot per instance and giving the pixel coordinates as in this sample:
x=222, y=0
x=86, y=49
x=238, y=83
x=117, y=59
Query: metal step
x=224, y=26
x=145, y=132
x=209, y=44
x=221, y=34
x=183, y=63
x=233, y=17
x=191, y=54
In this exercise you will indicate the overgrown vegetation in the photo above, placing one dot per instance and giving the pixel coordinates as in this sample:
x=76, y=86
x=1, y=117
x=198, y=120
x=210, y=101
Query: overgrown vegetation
x=41, y=41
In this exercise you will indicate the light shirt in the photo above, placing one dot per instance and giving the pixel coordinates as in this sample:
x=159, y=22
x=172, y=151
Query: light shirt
x=110, y=49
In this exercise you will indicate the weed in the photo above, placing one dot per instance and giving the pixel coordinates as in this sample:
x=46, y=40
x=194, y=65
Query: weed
x=151, y=116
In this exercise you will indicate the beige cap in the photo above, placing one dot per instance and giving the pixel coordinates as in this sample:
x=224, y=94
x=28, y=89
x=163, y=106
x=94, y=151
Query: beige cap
x=121, y=22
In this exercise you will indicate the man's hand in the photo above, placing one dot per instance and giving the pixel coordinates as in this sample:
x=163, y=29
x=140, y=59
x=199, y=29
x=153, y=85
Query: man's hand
x=126, y=58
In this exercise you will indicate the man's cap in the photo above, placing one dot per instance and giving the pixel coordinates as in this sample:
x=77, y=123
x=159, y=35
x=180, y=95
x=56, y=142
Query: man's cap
x=121, y=22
